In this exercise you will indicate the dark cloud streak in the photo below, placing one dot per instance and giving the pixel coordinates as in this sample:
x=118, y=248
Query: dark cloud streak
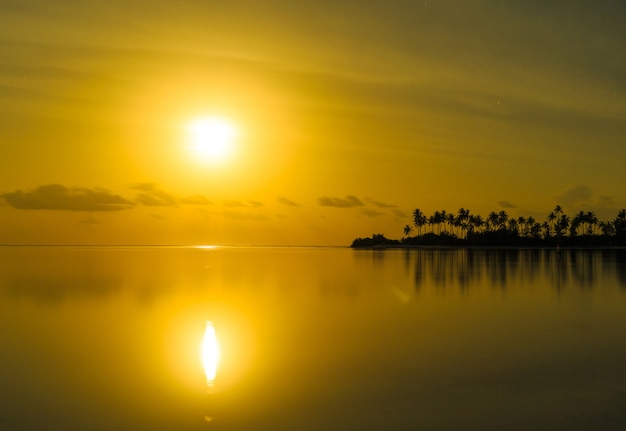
x=288, y=202
x=380, y=204
x=347, y=202
x=506, y=204
x=61, y=198
x=576, y=195
x=151, y=196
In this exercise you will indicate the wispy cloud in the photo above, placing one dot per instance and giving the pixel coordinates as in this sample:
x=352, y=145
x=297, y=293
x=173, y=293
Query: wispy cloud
x=580, y=194
x=288, y=202
x=399, y=213
x=606, y=201
x=380, y=204
x=62, y=198
x=347, y=202
x=150, y=195
x=368, y=212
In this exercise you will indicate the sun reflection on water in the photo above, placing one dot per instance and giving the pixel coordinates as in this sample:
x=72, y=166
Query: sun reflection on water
x=210, y=353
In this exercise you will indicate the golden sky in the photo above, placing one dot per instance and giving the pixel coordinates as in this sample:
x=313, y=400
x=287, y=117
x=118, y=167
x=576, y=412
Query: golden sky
x=348, y=115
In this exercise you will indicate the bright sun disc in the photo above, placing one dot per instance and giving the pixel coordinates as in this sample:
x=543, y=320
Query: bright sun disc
x=211, y=139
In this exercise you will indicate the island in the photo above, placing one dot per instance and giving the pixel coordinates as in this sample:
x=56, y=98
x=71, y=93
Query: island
x=462, y=228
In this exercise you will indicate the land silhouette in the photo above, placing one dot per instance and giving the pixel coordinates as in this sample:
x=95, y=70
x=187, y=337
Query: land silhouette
x=499, y=229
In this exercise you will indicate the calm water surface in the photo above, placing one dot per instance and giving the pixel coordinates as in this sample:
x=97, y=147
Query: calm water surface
x=111, y=338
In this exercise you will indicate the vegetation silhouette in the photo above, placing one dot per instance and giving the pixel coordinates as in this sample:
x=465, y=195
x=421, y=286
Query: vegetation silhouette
x=499, y=229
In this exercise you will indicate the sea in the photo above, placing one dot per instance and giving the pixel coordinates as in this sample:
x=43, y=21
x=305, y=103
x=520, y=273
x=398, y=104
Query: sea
x=311, y=338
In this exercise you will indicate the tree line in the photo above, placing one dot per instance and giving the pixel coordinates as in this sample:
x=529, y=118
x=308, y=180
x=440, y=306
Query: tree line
x=500, y=229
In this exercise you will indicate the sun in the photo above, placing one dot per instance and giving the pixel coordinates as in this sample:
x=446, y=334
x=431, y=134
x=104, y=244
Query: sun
x=211, y=139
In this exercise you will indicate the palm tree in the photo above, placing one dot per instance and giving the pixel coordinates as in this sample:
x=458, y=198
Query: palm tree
x=550, y=219
x=558, y=210
x=433, y=220
x=475, y=222
x=521, y=221
x=545, y=226
x=407, y=230
x=503, y=217
x=577, y=221
x=513, y=226
x=561, y=225
x=419, y=220
x=619, y=225
x=492, y=220
x=442, y=219
x=450, y=219
x=592, y=221
x=437, y=218
x=530, y=224
x=463, y=217
x=607, y=228
x=535, y=229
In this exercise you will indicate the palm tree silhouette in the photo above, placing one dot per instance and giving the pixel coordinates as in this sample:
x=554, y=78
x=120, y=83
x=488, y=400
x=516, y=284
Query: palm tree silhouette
x=503, y=217
x=451, y=220
x=592, y=221
x=419, y=220
x=463, y=218
x=577, y=222
x=550, y=219
x=407, y=230
x=492, y=220
x=475, y=222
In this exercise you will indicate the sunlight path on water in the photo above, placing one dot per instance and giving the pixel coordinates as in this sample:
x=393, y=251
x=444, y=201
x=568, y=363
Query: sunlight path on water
x=210, y=353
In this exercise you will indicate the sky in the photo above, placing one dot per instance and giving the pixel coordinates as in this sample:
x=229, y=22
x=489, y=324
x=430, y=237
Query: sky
x=348, y=116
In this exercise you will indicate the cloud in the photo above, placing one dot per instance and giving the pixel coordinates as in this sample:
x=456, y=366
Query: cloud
x=195, y=200
x=348, y=202
x=61, y=198
x=399, y=213
x=606, y=201
x=233, y=203
x=506, y=204
x=577, y=195
x=371, y=213
x=151, y=196
x=380, y=204
x=288, y=202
